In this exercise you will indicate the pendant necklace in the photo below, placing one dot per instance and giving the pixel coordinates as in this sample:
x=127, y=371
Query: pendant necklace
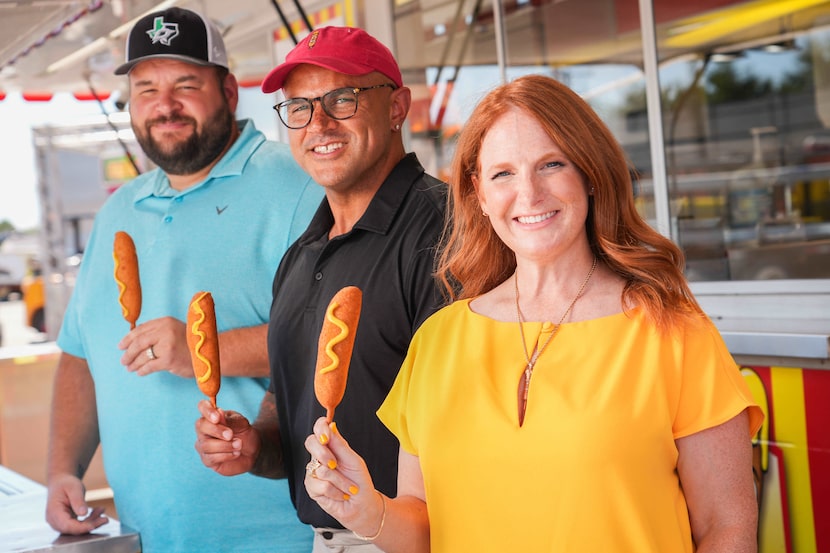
x=524, y=383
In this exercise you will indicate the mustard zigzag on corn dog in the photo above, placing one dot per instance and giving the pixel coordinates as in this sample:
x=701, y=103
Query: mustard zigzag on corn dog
x=194, y=328
x=203, y=342
x=122, y=287
x=334, y=348
x=344, y=333
x=127, y=277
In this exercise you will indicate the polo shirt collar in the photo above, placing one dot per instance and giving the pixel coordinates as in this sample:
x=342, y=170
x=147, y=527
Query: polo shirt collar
x=383, y=208
x=232, y=163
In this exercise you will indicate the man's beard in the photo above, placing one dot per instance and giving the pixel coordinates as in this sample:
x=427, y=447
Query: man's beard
x=196, y=152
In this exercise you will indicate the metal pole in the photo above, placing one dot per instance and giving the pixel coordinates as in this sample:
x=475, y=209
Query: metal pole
x=499, y=30
x=285, y=22
x=655, y=119
x=303, y=15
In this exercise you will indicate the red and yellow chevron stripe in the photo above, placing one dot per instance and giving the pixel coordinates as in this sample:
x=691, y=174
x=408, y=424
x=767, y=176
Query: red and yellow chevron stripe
x=795, y=445
x=341, y=11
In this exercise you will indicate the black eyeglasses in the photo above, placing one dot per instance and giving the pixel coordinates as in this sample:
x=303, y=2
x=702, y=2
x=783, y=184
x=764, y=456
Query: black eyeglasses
x=338, y=104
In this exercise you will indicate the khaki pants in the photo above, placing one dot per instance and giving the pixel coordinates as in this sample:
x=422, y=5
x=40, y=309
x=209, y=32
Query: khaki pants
x=336, y=540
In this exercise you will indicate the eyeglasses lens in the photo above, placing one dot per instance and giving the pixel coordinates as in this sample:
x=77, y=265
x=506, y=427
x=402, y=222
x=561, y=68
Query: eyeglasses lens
x=338, y=104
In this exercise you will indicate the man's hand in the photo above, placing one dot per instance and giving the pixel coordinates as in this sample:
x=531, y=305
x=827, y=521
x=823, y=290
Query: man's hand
x=226, y=441
x=66, y=509
x=157, y=345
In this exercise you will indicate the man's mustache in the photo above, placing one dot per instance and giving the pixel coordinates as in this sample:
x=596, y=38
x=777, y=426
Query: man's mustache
x=170, y=119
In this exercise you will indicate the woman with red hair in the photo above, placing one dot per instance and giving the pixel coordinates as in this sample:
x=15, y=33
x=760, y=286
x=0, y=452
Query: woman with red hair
x=573, y=396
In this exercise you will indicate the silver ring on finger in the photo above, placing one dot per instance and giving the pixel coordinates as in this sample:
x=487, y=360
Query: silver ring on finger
x=312, y=466
x=151, y=355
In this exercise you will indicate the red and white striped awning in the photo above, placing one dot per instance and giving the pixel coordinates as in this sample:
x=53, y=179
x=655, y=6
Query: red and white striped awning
x=83, y=96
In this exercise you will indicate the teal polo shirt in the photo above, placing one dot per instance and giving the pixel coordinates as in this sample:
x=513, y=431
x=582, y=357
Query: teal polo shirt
x=225, y=235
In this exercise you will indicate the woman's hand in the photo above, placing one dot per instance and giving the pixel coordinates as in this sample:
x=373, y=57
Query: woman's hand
x=338, y=480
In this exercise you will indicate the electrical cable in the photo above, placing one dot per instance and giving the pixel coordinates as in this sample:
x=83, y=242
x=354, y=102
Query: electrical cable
x=285, y=21
x=123, y=145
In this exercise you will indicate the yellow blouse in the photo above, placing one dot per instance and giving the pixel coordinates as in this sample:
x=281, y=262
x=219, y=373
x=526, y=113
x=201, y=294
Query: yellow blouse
x=593, y=466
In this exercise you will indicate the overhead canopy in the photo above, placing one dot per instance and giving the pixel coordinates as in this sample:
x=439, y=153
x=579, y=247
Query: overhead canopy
x=74, y=45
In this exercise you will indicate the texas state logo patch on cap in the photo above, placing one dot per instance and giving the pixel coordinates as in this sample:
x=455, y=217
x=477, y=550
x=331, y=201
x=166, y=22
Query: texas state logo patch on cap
x=163, y=32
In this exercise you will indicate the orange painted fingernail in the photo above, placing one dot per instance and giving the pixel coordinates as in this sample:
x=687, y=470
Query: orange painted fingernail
x=332, y=464
x=353, y=490
x=324, y=439
x=333, y=426
x=346, y=496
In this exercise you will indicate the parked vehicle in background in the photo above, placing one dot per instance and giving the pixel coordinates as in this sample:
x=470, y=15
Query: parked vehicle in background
x=34, y=299
x=12, y=271
x=19, y=252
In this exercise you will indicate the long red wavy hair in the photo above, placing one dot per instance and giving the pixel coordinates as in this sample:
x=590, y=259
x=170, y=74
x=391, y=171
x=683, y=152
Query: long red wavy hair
x=472, y=258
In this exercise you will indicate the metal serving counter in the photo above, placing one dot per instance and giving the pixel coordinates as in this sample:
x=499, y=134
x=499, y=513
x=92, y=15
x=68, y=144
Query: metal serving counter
x=777, y=337
x=783, y=321
x=24, y=530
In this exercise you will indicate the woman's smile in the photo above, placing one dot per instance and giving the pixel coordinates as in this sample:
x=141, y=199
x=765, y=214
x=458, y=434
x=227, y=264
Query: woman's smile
x=531, y=219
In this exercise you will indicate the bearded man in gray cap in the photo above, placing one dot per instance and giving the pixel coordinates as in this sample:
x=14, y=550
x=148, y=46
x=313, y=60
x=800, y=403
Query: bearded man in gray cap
x=216, y=215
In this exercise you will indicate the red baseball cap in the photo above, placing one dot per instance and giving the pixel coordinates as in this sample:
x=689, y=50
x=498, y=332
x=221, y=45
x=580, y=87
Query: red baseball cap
x=347, y=50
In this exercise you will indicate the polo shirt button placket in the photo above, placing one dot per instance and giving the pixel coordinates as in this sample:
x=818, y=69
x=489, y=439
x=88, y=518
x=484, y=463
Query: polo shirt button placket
x=327, y=535
x=318, y=276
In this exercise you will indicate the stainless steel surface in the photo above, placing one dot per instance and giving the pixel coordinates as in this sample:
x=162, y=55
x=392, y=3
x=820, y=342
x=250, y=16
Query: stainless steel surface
x=24, y=528
x=809, y=346
x=786, y=319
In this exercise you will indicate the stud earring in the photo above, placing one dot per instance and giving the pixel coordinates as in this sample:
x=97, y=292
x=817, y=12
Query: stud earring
x=397, y=127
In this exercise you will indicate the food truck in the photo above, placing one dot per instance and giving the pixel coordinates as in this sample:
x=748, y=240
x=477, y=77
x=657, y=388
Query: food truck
x=723, y=107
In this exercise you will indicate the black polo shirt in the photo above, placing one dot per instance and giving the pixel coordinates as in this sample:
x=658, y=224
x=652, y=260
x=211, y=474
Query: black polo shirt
x=390, y=255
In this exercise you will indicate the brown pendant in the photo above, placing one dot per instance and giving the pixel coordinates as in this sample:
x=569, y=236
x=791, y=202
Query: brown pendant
x=524, y=382
x=524, y=388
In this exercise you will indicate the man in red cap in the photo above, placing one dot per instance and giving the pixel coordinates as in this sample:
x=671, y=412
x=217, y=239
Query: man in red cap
x=376, y=229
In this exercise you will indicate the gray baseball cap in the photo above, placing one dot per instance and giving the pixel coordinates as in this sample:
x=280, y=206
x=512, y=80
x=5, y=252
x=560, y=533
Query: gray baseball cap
x=174, y=33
